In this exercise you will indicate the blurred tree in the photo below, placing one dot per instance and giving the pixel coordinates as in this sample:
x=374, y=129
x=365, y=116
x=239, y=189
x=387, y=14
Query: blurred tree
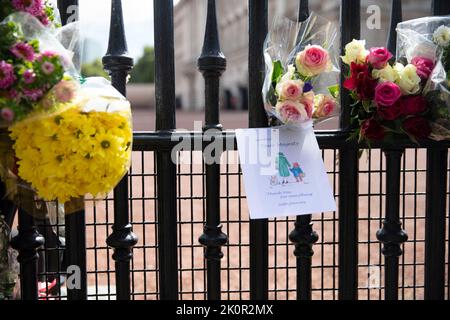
x=93, y=69
x=144, y=69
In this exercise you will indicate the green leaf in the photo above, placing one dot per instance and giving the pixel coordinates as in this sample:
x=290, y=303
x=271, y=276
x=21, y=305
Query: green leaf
x=334, y=91
x=277, y=72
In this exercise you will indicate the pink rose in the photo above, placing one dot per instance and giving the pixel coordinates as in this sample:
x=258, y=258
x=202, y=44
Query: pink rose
x=313, y=61
x=424, y=67
x=387, y=94
x=291, y=111
x=324, y=106
x=290, y=89
x=308, y=101
x=379, y=57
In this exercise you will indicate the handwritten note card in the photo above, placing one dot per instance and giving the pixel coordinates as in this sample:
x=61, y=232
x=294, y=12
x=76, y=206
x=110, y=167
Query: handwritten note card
x=284, y=173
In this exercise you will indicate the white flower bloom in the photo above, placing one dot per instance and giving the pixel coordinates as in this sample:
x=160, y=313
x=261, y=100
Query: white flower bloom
x=388, y=74
x=442, y=36
x=409, y=81
x=289, y=75
x=355, y=51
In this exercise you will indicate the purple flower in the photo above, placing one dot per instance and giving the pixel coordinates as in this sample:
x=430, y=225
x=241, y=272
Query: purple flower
x=33, y=94
x=29, y=76
x=48, y=68
x=7, y=76
x=13, y=94
x=33, y=7
x=7, y=114
x=308, y=87
x=23, y=50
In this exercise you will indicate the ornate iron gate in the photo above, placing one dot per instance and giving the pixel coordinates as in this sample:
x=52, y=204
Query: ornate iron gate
x=235, y=258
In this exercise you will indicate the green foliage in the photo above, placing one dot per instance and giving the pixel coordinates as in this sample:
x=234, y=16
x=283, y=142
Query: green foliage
x=93, y=69
x=277, y=72
x=144, y=69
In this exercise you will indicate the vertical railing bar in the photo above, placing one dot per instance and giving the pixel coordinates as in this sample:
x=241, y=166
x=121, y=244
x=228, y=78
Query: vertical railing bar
x=348, y=170
x=396, y=17
x=165, y=168
x=122, y=239
x=392, y=235
x=303, y=236
x=75, y=223
x=259, y=229
x=212, y=64
x=436, y=189
x=26, y=243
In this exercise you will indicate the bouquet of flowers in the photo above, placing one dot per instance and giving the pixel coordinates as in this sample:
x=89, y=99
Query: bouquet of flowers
x=388, y=100
x=430, y=36
x=64, y=140
x=301, y=71
x=42, y=10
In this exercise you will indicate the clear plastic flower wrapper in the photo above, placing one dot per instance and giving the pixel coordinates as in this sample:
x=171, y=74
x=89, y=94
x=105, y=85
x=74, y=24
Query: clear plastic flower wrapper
x=9, y=268
x=302, y=74
x=61, y=140
x=425, y=43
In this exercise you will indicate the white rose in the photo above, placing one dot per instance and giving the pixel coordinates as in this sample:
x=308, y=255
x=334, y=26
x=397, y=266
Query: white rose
x=442, y=36
x=289, y=75
x=355, y=51
x=409, y=81
x=388, y=74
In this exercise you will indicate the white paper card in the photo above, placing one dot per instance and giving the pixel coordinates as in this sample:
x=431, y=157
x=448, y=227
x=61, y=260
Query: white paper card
x=284, y=174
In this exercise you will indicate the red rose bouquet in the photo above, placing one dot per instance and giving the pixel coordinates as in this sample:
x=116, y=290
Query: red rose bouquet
x=388, y=101
x=430, y=36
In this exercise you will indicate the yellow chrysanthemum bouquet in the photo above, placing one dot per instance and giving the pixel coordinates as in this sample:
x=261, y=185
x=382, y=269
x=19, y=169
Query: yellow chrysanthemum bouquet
x=63, y=140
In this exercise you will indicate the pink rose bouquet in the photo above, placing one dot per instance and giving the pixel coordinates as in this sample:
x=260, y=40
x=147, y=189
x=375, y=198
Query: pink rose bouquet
x=301, y=82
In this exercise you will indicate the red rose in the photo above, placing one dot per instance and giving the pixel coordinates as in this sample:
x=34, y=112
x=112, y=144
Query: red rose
x=390, y=113
x=418, y=127
x=372, y=130
x=424, y=67
x=361, y=81
x=412, y=105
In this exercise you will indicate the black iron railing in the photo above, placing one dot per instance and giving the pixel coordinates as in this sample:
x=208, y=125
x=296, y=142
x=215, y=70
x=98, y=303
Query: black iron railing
x=183, y=251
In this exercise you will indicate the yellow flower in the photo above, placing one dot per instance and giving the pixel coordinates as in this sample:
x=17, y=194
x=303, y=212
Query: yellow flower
x=72, y=153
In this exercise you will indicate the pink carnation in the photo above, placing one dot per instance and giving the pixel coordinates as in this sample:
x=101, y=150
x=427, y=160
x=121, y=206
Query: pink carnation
x=7, y=76
x=23, y=50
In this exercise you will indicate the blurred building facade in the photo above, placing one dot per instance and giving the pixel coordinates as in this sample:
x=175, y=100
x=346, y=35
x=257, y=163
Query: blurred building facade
x=189, y=24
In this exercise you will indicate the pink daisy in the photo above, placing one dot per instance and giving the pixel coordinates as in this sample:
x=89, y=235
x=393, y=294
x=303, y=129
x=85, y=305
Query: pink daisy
x=33, y=94
x=48, y=68
x=7, y=76
x=7, y=114
x=29, y=76
x=33, y=7
x=23, y=50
